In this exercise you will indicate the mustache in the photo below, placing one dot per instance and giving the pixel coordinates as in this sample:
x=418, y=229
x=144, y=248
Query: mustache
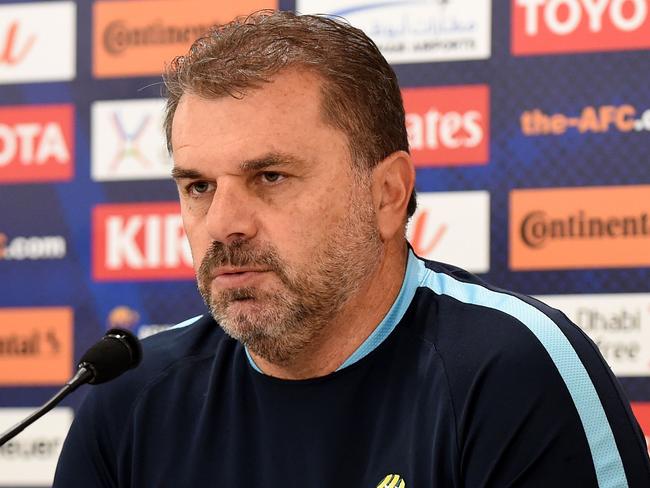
x=240, y=253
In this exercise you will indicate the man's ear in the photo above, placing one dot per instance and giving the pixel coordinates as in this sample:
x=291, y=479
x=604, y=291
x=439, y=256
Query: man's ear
x=393, y=180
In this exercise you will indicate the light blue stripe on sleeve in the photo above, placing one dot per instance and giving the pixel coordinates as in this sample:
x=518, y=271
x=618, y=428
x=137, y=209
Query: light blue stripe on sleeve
x=605, y=455
x=187, y=322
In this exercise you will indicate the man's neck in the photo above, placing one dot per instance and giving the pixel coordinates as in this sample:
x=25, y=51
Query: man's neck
x=351, y=327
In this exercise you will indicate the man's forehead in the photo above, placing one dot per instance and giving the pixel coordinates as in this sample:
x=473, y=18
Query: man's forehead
x=284, y=117
x=291, y=95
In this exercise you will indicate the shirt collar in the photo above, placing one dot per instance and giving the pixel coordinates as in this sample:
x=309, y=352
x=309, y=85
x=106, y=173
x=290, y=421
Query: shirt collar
x=390, y=320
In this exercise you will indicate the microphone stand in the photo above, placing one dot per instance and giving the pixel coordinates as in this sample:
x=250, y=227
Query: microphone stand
x=83, y=375
x=118, y=351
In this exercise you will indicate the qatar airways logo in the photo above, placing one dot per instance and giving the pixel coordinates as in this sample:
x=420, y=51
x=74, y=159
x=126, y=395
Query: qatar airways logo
x=565, y=26
x=416, y=31
x=140, y=242
x=37, y=42
x=448, y=125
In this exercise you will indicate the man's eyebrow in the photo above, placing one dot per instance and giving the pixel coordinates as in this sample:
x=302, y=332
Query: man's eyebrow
x=248, y=166
x=269, y=160
x=179, y=173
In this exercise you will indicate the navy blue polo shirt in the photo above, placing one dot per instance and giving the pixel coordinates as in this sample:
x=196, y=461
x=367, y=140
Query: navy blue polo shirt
x=460, y=385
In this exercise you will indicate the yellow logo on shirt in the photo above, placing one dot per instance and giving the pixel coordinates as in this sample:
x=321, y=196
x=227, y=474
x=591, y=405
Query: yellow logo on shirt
x=392, y=481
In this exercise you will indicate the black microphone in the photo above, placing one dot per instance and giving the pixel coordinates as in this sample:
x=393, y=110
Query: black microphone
x=117, y=352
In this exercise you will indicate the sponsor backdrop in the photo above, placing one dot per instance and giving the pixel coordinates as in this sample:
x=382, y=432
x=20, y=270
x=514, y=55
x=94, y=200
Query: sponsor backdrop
x=528, y=122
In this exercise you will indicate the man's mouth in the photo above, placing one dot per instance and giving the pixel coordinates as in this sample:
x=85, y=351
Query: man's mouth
x=229, y=277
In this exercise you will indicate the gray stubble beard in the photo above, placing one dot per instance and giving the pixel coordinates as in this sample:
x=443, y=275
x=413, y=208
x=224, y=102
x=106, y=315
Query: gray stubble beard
x=290, y=320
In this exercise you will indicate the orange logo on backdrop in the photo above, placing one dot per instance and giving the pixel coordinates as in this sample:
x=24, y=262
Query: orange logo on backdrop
x=568, y=228
x=35, y=346
x=549, y=26
x=448, y=125
x=138, y=38
x=36, y=143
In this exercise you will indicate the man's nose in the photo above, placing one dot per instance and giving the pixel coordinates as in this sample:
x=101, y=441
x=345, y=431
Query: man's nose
x=231, y=216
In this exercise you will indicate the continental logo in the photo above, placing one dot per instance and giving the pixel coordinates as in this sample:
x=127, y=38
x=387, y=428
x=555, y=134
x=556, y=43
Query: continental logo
x=32, y=248
x=568, y=228
x=567, y=26
x=36, y=143
x=143, y=241
x=591, y=119
x=35, y=346
x=120, y=36
x=539, y=229
x=448, y=126
x=137, y=39
x=392, y=481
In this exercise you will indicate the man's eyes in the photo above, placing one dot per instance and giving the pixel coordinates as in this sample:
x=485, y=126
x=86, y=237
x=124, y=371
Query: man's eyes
x=198, y=188
x=271, y=177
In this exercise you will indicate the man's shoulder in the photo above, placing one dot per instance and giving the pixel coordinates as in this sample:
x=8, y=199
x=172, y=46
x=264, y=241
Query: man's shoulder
x=162, y=354
x=526, y=382
x=190, y=338
x=451, y=300
x=478, y=328
x=108, y=408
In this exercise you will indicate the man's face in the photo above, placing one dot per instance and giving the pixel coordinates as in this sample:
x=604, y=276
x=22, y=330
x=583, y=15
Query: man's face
x=282, y=232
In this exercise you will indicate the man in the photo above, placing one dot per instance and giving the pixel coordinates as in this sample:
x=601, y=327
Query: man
x=346, y=360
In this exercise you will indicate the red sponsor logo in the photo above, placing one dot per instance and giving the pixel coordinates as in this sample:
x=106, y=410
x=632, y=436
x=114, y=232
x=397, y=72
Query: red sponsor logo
x=642, y=413
x=422, y=245
x=448, y=125
x=36, y=143
x=140, y=242
x=565, y=26
x=13, y=51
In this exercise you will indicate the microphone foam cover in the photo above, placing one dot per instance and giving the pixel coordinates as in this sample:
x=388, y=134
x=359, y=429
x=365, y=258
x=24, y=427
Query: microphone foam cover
x=118, y=351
